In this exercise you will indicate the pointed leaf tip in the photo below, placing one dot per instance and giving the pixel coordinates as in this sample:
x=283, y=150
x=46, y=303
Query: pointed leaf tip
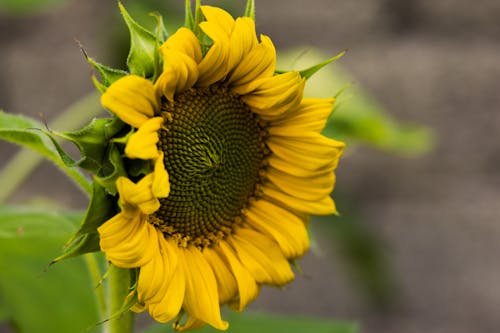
x=143, y=45
x=309, y=72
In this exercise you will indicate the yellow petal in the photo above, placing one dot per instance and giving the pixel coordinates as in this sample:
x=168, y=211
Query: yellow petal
x=201, y=300
x=219, y=17
x=310, y=116
x=243, y=40
x=313, y=143
x=168, y=308
x=191, y=324
x=151, y=277
x=284, y=227
x=313, y=152
x=325, y=206
x=258, y=64
x=180, y=72
x=247, y=287
x=161, y=185
x=132, y=98
x=138, y=195
x=226, y=283
x=143, y=143
x=262, y=257
x=214, y=66
x=128, y=241
x=185, y=41
x=297, y=169
x=273, y=96
x=138, y=307
x=307, y=188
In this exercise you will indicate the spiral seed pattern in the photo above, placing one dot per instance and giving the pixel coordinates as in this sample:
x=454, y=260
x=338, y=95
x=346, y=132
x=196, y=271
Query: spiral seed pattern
x=215, y=152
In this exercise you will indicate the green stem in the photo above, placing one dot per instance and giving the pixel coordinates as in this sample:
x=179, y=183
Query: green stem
x=95, y=276
x=118, y=289
x=25, y=161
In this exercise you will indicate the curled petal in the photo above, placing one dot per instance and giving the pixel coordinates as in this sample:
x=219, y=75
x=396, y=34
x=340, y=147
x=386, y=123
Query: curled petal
x=184, y=41
x=272, y=97
x=180, y=72
x=258, y=64
x=243, y=40
x=310, y=116
x=132, y=98
x=214, y=65
x=128, y=240
x=143, y=143
x=218, y=17
x=137, y=195
x=161, y=185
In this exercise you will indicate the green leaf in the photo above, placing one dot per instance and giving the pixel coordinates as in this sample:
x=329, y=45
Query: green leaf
x=86, y=239
x=58, y=300
x=29, y=133
x=28, y=6
x=143, y=44
x=250, y=9
x=248, y=322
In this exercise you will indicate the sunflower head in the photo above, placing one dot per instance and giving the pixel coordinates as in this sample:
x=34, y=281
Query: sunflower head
x=220, y=162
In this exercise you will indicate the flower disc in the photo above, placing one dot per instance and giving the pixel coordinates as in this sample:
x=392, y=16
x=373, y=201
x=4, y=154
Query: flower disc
x=213, y=150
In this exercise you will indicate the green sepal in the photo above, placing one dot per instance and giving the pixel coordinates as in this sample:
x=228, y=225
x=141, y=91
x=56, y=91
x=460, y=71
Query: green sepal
x=161, y=36
x=100, y=145
x=297, y=267
x=188, y=15
x=111, y=169
x=160, y=30
x=101, y=207
x=107, y=74
x=309, y=72
x=138, y=167
x=93, y=141
x=143, y=46
x=250, y=9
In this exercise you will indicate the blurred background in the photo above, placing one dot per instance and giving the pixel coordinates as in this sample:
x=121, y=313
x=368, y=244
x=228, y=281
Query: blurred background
x=417, y=246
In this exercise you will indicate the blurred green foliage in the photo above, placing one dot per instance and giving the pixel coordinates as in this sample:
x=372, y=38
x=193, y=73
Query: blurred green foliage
x=249, y=322
x=39, y=298
x=23, y=7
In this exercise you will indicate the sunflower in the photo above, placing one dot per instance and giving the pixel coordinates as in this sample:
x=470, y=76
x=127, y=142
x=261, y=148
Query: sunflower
x=238, y=163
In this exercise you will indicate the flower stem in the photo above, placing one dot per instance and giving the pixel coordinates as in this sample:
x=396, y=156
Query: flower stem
x=118, y=289
x=95, y=276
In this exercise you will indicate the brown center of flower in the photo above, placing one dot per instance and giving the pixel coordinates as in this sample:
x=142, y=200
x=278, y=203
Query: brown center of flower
x=215, y=152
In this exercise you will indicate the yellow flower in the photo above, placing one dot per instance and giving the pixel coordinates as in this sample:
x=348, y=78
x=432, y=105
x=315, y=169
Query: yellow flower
x=238, y=165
